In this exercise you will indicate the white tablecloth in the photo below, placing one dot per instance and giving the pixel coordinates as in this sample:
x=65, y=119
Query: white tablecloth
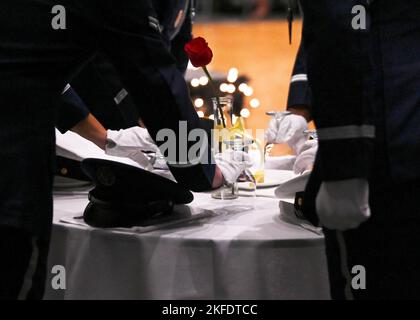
x=245, y=252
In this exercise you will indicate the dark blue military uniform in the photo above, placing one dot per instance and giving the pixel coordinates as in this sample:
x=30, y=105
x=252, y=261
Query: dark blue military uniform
x=299, y=91
x=71, y=109
x=366, y=105
x=36, y=63
x=98, y=89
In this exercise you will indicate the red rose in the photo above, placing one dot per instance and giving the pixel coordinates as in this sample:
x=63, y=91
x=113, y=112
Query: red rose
x=199, y=52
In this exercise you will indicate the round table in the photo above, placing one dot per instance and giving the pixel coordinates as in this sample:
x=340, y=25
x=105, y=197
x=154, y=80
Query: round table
x=244, y=251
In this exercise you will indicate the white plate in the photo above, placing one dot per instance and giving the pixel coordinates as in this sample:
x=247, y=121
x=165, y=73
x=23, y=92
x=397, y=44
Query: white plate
x=273, y=178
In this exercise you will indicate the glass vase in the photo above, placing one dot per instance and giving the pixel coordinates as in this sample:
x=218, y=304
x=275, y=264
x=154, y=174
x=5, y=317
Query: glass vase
x=222, y=118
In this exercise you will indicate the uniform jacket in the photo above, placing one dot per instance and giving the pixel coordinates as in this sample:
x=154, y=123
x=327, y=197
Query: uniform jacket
x=99, y=87
x=366, y=98
x=38, y=59
x=299, y=90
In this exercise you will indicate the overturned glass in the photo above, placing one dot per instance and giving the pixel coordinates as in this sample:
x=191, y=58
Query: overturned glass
x=230, y=191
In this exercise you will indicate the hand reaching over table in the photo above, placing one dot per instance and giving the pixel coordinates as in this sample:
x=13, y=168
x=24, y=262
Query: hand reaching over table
x=306, y=159
x=287, y=128
x=131, y=143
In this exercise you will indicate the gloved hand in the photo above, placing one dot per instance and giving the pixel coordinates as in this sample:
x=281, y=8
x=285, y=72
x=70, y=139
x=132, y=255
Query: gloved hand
x=343, y=204
x=232, y=164
x=306, y=159
x=287, y=129
x=130, y=143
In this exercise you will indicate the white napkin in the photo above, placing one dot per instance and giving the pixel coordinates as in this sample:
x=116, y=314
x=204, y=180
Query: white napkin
x=73, y=146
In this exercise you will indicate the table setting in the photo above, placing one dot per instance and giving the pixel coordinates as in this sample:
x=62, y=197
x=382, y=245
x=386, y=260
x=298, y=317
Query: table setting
x=251, y=244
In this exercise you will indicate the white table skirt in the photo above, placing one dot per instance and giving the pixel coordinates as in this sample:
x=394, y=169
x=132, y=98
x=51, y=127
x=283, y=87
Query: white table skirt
x=245, y=252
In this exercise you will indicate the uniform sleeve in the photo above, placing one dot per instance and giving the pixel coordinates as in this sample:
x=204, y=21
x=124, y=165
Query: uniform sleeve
x=299, y=90
x=133, y=42
x=339, y=72
x=179, y=42
x=71, y=110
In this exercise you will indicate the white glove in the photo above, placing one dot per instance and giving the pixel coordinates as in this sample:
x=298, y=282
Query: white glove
x=305, y=160
x=130, y=143
x=280, y=163
x=344, y=204
x=287, y=129
x=232, y=164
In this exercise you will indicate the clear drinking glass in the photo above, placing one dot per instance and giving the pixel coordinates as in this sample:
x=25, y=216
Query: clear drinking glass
x=256, y=152
x=228, y=135
x=223, y=114
x=247, y=178
x=229, y=192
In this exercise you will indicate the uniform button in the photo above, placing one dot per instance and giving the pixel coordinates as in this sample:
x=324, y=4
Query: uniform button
x=300, y=202
x=64, y=171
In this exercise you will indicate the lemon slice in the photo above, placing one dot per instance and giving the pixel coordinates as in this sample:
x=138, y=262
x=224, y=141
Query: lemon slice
x=259, y=176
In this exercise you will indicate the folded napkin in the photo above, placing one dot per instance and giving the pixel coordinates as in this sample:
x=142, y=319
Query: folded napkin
x=74, y=147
